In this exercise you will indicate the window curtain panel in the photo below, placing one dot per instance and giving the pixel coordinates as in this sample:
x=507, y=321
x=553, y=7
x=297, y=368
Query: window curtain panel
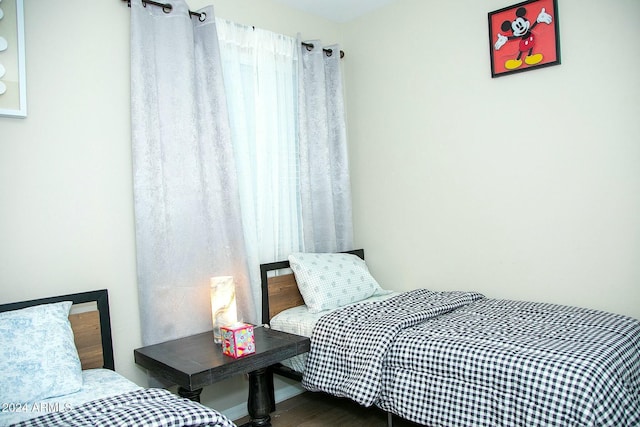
x=187, y=209
x=261, y=71
x=324, y=166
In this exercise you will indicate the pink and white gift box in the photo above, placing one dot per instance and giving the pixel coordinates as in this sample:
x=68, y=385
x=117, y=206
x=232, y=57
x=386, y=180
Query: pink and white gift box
x=238, y=340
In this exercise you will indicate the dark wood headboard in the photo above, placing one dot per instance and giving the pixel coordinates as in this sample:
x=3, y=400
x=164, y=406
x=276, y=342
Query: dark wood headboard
x=91, y=325
x=281, y=292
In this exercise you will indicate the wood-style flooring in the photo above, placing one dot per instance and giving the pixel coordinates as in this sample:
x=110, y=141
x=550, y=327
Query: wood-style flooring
x=318, y=409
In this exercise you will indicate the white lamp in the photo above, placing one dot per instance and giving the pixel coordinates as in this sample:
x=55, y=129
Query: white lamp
x=223, y=304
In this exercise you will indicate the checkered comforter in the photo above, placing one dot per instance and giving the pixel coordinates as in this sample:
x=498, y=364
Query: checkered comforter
x=348, y=345
x=146, y=407
x=457, y=359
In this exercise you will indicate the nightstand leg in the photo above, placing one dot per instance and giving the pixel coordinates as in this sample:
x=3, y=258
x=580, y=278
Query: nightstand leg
x=259, y=401
x=190, y=394
x=272, y=394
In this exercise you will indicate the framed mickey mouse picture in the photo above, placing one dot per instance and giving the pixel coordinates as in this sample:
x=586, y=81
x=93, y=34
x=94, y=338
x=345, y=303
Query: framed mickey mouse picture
x=524, y=37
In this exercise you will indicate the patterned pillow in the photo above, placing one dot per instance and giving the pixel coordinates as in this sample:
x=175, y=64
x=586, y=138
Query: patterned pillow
x=38, y=357
x=328, y=281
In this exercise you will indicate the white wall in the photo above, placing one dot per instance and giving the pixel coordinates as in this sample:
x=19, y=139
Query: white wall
x=66, y=221
x=65, y=170
x=525, y=186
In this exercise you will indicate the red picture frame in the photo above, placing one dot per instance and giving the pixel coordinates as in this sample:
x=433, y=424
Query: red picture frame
x=524, y=37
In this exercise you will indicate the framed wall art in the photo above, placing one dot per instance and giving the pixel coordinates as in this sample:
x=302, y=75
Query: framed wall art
x=13, y=83
x=524, y=37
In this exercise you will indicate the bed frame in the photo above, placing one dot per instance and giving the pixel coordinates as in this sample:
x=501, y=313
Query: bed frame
x=90, y=322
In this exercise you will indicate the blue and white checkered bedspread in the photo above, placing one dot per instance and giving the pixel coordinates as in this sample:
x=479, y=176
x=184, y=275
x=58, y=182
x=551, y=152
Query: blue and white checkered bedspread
x=482, y=362
x=147, y=407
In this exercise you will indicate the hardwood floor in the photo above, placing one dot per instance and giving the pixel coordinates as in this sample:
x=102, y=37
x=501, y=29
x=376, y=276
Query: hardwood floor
x=318, y=409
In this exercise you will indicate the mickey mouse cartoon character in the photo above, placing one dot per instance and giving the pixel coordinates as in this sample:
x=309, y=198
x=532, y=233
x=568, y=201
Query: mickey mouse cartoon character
x=521, y=28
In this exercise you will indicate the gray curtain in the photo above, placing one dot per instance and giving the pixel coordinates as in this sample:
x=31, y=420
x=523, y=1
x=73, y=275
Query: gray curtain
x=188, y=222
x=324, y=167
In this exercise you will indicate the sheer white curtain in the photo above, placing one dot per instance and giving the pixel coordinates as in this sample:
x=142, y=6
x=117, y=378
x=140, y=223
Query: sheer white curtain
x=324, y=166
x=261, y=73
x=187, y=210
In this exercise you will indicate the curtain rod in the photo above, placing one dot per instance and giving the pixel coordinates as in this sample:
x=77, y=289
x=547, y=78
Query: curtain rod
x=166, y=8
x=328, y=52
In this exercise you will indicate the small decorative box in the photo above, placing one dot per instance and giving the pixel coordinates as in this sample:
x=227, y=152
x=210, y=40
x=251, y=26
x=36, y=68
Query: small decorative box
x=238, y=340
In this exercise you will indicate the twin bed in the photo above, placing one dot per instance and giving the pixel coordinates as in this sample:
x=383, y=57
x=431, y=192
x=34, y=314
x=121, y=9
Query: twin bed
x=57, y=368
x=454, y=358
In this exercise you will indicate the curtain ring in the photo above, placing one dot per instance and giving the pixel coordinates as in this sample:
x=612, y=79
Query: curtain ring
x=202, y=17
x=309, y=46
x=167, y=8
x=328, y=52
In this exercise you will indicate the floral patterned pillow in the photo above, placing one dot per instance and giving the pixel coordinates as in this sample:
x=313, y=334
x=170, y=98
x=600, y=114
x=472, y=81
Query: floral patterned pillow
x=38, y=357
x=331, y=280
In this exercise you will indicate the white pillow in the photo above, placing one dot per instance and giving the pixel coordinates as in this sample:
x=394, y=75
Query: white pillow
x=38, y=357
x=328, y=281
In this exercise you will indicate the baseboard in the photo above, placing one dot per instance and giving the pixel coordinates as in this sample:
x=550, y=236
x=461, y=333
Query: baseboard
x=281, y=393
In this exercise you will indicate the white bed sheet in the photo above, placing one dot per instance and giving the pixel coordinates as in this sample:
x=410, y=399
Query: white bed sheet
x=96, y=384
x=300, y=321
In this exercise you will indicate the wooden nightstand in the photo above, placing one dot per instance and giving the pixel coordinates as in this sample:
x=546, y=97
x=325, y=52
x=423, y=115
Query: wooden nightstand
x=196, y=361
